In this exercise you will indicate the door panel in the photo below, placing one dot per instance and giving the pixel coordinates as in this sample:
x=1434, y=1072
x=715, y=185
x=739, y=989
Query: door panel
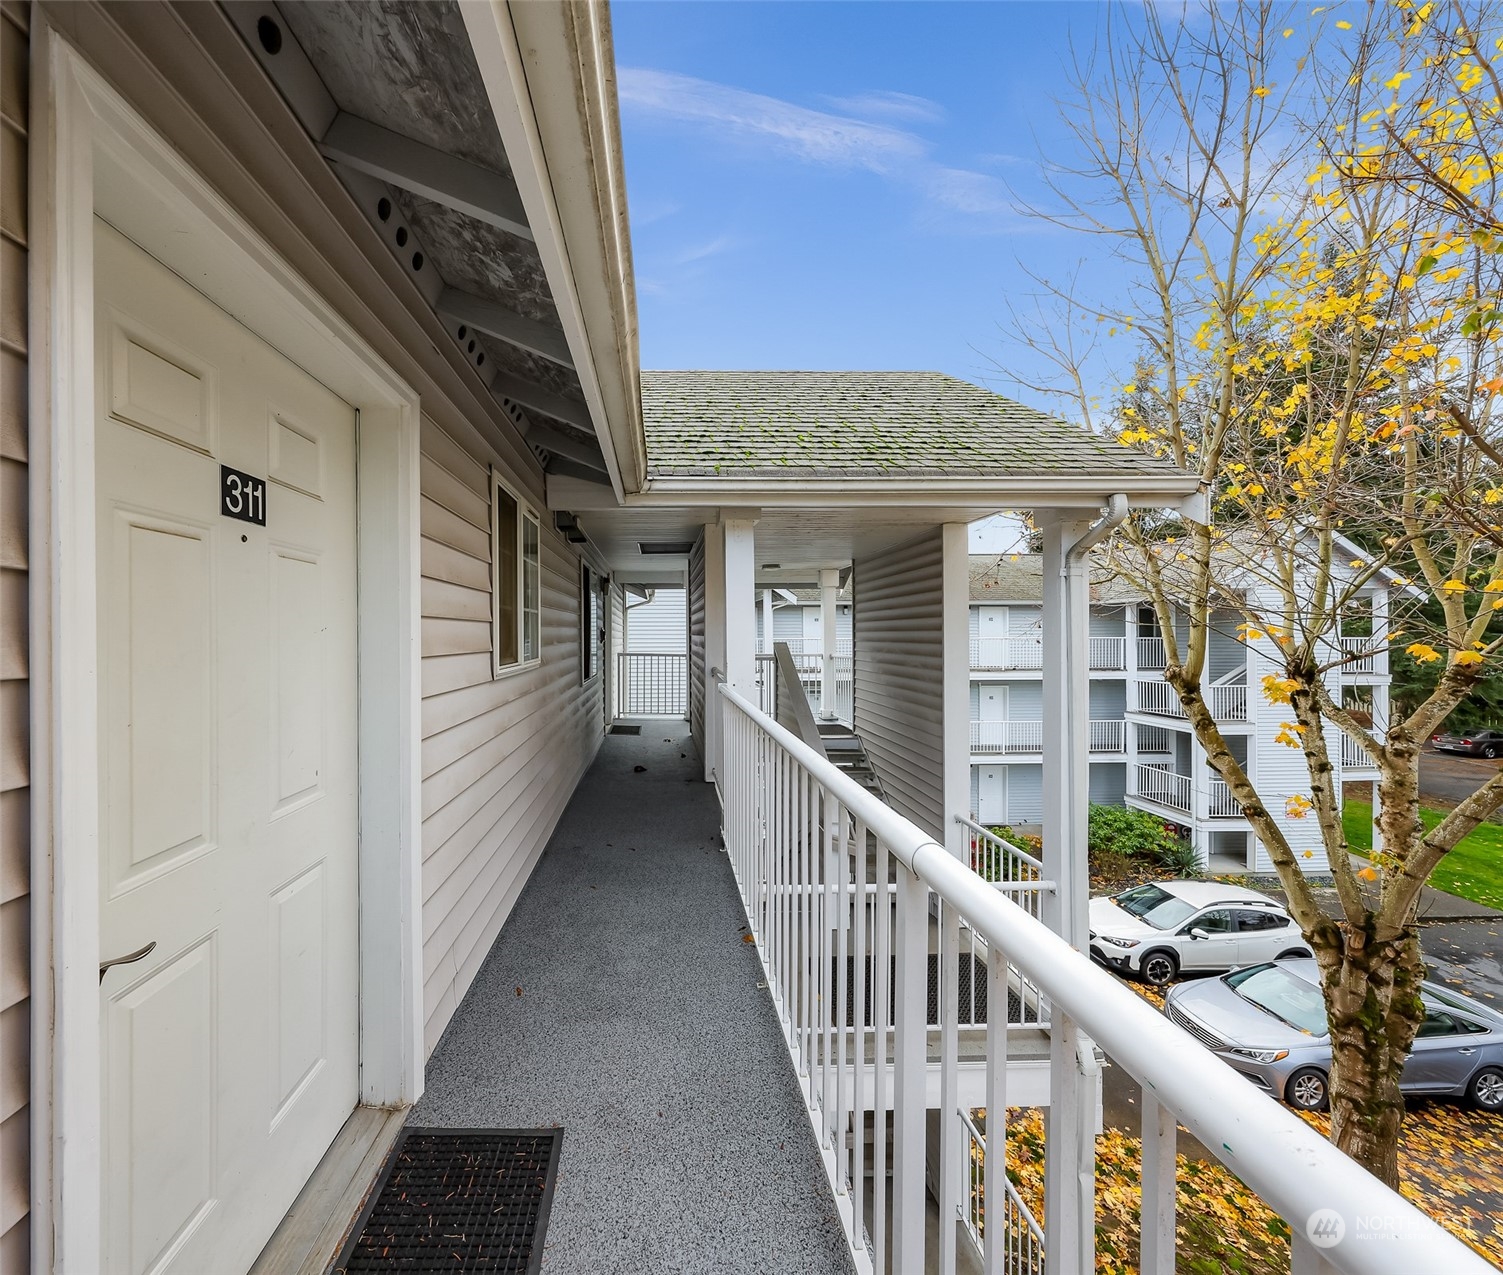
x=227, y=747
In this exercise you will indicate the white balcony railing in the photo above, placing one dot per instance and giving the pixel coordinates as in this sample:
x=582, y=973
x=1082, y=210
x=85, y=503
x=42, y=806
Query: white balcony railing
x=1220, y=804
x=1107, y=653
x=1226, y=700
x=1161, y=785
x=1361, y=654
x=805, y=842
x=651, y=684
x=1108, y=735
x=1007, y=652
x=1353, y=755
x=1007, y=737
x=810, y=675
x=1027, y=652
x=1004, y=738
x=1151, y=653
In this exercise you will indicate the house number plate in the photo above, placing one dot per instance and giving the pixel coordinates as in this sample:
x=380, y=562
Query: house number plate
x=242, y=496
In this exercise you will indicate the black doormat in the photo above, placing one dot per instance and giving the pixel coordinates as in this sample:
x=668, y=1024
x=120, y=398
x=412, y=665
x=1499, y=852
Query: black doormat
x=626, y=730
x=458, y=1200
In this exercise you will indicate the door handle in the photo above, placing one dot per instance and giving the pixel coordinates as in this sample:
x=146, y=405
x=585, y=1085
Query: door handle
x=1469, y=1049
x=127, y=959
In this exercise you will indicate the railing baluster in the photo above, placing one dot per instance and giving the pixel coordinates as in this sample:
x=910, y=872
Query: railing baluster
x=855, y=918
x=831, y=935
x=910, y=1035
x=995, y=1169
x=1158, y=1186
x=806, y=902
x=949, y=1085
x=881, y=1006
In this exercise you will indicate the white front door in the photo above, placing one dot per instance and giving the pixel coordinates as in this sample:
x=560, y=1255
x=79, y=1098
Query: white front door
x=228, y=772
x=992, y=795
x=993, y=702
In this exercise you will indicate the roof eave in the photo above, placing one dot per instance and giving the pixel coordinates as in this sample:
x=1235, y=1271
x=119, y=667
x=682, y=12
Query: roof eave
x=549, y=73
x=1086, y=491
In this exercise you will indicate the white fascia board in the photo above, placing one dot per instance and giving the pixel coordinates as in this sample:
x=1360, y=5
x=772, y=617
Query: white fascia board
x=1039, y=492
x=548, y=72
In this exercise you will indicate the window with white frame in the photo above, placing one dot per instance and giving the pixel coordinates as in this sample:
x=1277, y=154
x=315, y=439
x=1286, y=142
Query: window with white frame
x=515, y=579
x=589, y=622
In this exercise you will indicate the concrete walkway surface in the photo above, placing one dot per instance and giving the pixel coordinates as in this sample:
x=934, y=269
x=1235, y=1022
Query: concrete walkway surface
x=620, y=1003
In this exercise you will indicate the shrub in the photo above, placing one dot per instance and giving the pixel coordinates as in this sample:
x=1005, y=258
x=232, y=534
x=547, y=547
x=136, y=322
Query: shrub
x=1122, y=830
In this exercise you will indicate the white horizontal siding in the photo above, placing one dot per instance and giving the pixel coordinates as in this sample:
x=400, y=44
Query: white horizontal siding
x=659, y=626
x=15, y=663
x=500, y=756
x=899, y=665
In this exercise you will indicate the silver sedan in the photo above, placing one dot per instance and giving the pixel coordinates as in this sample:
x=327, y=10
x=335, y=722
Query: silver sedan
x=1269, y=1022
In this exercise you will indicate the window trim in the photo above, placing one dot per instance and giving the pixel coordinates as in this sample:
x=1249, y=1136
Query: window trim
x=526, y=513
x=591, y=621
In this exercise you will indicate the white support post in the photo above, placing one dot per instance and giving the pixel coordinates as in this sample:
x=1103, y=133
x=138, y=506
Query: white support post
x=955, y=689
x=1158, y=1185
x=740, y=601
x=910, y=1066
x=829, y=586
x=715, y=615
x=1200, y=800
x=766, y=647
x=1069, y=1159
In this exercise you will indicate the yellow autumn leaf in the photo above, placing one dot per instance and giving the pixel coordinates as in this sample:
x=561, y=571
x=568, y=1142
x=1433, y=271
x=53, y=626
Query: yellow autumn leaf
x=1368, y=874
x=1453, y=586
x=1467, y=658
x=1422, y=652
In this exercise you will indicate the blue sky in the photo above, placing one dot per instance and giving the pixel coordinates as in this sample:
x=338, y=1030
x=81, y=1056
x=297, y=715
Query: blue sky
x=829, y=185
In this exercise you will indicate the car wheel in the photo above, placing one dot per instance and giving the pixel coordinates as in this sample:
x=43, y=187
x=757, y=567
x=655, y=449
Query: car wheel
x=1490, y=751
x=1486, y=1089
x=1159, y=968
x=1307, y=1090
x=1293, y=952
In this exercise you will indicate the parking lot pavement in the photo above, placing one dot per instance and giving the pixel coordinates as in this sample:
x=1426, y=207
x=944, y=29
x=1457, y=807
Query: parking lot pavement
x=1453, y=777
x=1465, y=955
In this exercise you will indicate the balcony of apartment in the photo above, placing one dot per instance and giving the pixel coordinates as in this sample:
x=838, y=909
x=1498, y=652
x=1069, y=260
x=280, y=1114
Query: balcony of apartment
x=1364, y=658
x=1106, y=738
x=1025, y=653
x=796, y=1071
x=1227, y=699
x=1157, y=786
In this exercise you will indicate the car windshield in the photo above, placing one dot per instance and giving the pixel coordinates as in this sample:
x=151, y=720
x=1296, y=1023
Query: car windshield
x=1280, y=993
x=1159, y=908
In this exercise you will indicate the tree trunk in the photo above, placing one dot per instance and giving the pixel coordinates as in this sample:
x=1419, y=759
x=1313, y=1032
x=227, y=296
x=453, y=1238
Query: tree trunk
x=1372, y=996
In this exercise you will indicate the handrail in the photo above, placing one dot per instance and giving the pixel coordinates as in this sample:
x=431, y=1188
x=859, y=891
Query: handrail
x=1279, y=1157
x=797, y=701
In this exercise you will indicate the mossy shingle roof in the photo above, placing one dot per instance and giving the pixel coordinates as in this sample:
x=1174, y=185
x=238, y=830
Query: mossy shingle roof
x=862, y=424
x=1019, y=577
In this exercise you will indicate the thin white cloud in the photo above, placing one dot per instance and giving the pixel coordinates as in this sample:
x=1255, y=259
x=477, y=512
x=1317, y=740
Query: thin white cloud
x=704, y=251
x=822, y=137
x=808, y=134
x=887, y=104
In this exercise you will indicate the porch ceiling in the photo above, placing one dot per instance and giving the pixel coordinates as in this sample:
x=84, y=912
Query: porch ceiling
x=392, y=94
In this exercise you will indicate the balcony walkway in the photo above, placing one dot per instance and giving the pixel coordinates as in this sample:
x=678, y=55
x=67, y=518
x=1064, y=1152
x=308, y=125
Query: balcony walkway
x=641, y=1030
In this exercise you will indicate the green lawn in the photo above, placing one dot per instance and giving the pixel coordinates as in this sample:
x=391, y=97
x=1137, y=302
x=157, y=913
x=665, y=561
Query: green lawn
x=1473, y=870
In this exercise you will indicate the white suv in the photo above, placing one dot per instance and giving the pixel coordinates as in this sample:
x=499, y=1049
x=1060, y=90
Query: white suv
x=1157, y=930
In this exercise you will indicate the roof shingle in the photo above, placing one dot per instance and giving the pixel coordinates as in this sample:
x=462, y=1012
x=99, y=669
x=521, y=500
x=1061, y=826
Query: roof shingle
x=862, y=425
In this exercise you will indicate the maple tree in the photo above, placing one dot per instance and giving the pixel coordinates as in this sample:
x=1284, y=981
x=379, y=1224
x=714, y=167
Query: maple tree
x=1308, y=207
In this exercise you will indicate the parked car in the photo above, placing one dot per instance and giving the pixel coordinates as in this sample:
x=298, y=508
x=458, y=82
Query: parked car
x=1269, y=1022
x=1155, y=931
x=1479, y=743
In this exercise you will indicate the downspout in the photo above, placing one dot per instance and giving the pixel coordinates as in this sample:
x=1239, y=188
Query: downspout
x=1072, y=566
